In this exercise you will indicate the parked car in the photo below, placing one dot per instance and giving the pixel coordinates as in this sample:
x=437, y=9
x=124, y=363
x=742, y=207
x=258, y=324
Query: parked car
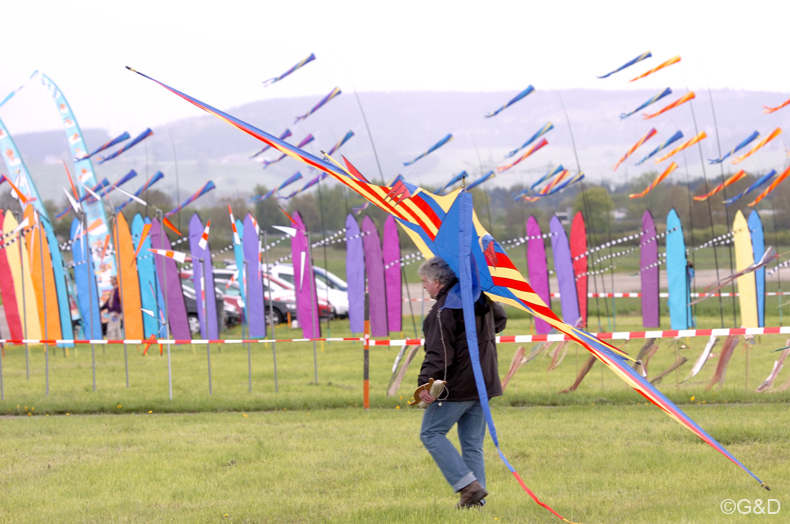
x=328, y=286
x=188, y=288
x=282, y=302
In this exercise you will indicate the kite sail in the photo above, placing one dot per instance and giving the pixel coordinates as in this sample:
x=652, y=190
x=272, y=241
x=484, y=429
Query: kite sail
x=766, y=110
x=682, y=100
x=202, y=191
x=306, y=140
x=332, y=94
x=735, y=149
x=734, y=178
x=285, y=134
x=487, y=176
x=674, y=138
x=301, y=63
x=456, y=178
x=542, y=131
x=293, y=178
x=446, y=227
x=139, y=138
x=757, y=183
x=118, y=139
x=433, y=148
x=340, y=142
x=512, y=101
x=656, y=98
x=639, y=58
x=668, y=63
x=650, y=134
x=529, y=152
x=684, y=145
x=148, y=183
x=770, y=188
x=775, y=133
x=657, y=181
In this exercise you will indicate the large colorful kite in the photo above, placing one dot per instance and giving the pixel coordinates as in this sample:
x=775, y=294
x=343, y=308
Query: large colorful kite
x=536, y=147
x=136, y=140
x=433, y=148
x=639, y=58
x=655, y=182
x=653, y=100
x=542, y=131
x=636, y=146
x=306, y=140
x=734, y=178
x=735, y=149
x=775, y=133
x=299, y=64
x=674, y=138
x=770, y=188
x=659, y=67
x=447, y=227
x=332, y=94
x=757, y=183
x=512, y=101
x=683, y=99
x=684, y=145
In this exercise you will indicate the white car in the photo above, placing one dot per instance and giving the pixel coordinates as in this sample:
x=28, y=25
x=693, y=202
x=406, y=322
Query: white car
x=327, y=285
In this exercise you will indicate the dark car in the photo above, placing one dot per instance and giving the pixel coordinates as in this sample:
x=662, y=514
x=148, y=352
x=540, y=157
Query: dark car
x=188, y=288
x=282, y=305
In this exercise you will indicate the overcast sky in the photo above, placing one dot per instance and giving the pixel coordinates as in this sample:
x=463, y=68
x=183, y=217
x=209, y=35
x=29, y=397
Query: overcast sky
x=220, y=52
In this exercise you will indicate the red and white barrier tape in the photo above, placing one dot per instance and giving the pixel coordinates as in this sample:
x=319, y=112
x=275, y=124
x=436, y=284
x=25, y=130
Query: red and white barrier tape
x=634, y=295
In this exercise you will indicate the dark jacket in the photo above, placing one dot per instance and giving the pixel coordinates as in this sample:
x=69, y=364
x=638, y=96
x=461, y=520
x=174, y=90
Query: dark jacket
x=491, y=319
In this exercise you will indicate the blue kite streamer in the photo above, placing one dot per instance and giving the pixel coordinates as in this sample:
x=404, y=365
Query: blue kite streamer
x=285, y=134
x=120, y=138
x=542, y=131
x=293, y=178
x=433, y=148
x=628, y=64
x=734, y=150
x=656, y=98
x=674, y=138
x=306, y=140
x=142, y=136
x=332, y=94
x=515, y=99
x=488, y=176
x=550, y=174
x=301, y=63
x=456, y=178
x=148, y=183
x=200, y=192
x=340, y=143
x=757, y=183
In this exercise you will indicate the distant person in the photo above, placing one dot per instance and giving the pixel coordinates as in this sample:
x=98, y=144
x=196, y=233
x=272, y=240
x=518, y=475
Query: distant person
x=113, y=308
x=447, y=358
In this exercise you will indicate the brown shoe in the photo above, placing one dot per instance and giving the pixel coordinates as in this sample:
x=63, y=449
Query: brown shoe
x=471, y=495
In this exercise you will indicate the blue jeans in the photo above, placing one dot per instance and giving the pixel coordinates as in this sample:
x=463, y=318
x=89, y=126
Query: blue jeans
x=460, y=470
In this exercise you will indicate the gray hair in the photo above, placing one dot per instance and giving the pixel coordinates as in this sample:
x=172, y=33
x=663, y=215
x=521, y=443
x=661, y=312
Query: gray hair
x=436, y=269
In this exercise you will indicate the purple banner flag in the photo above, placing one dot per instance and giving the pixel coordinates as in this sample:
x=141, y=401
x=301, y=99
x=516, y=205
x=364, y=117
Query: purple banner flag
x=252, y=282
x=537, y=270
x=200, y=272
x=355, y=276
x=304, y=281
x=648, y=271
x=170, y=284
x=377, y=292
x=392, y=275
x=563, y=267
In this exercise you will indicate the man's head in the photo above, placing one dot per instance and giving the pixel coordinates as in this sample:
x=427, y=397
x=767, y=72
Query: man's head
x=435, y=274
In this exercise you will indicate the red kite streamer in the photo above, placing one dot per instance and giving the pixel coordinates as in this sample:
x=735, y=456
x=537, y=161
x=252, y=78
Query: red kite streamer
x=657, y=181
x=775, y=133
x=734, y=178
x=668, y=63
x=683, y=146
x=683, y=99
x=636, y=146
x=770, y=188
x=529, y=151
x=777, y=108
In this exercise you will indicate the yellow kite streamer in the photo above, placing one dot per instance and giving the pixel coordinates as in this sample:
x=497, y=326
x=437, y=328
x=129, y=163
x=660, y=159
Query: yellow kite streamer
x=662, y=66
x=683, y=146
x=683, y=99
x=657, y=181
x=775, y=133
x=770, y=188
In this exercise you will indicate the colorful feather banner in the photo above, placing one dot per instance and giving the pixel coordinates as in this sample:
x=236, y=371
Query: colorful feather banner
x=301, y=63
x=775, y=133
x=306, y=140
x=293, y=178
x=674, y=138
x=332, y=94
x=639, y=58
x=488, y=176
x=668, y=63
x=735, y=149
x=757, y=183
x=148, y=183
x=734, y=178
x=202, y=191
x=340, y=143
x=438, y=234
x=120, y=138
x=684, y=145
x=512, y=101
x=548, y=175
x=770, y=188
x=433, y=148
x=650, y=134
x=285, y=134
x=682, y=100
x=657, y=181
x=542, y=131
x=456, y=178
x=766, y=110
x=142, y=136
x=536, y=147
x=653, y=100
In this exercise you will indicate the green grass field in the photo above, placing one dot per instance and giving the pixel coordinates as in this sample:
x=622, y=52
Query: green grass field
x=310, y=453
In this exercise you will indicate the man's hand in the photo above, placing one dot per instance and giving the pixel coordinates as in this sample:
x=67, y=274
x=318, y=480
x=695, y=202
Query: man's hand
x=426, y=397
